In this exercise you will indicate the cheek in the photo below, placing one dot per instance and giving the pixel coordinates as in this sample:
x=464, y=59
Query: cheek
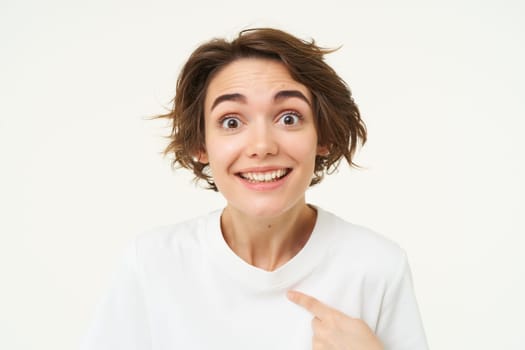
x=309, y=154
x=222, y=151
x=304, y=148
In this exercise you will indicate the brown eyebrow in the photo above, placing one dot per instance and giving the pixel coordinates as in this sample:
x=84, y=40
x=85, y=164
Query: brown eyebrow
x=228, y=97
x=281, y=95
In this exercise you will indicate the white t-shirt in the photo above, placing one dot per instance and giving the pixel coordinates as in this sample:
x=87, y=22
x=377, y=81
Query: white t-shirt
x=182, y=287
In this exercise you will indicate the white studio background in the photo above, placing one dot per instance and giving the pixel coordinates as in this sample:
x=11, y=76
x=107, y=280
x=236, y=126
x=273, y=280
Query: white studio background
x=440, y=85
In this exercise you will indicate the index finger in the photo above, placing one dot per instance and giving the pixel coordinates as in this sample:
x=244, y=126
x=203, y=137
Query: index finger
x=314, y=306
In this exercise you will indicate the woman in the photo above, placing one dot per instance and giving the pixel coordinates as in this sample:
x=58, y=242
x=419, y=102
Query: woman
x=260, y=119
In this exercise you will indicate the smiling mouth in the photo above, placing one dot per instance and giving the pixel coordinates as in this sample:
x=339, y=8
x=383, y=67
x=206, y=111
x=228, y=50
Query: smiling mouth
x=267, y=176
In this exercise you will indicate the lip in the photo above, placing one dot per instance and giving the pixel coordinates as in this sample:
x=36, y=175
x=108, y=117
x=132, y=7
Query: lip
x=262, y=169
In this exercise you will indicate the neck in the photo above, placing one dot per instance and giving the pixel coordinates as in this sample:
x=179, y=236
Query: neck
x=268, y=242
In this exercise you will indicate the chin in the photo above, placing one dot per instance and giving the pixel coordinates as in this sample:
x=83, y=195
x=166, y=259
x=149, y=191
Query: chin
x=266, y=209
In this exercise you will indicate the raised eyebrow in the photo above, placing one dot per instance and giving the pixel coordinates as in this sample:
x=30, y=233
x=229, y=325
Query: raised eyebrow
x=228, y=97
x=284, y=94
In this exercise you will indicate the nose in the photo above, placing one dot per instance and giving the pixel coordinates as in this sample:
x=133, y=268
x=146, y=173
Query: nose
x=261, y=141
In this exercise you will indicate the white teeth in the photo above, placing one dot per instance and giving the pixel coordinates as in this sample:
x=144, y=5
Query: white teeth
x=264, y=177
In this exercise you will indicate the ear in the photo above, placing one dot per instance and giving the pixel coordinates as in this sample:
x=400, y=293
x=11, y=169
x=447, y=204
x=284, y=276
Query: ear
x=323, y=150
x=201, y=157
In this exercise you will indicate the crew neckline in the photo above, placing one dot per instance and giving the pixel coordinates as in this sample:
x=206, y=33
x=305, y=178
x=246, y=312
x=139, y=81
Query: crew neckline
x=286, y=275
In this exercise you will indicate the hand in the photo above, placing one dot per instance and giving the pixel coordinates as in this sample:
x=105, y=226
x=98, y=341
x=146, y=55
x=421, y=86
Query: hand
x=333, y=330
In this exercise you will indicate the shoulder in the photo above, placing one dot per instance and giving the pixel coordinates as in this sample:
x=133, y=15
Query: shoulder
x=362, y=248
x=182, y=237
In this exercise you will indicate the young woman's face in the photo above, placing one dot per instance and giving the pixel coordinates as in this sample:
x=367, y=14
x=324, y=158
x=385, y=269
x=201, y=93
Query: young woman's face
x=261, y=140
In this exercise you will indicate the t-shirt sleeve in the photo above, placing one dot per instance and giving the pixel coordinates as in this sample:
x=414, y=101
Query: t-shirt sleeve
x=121, y=320
x=399, y=325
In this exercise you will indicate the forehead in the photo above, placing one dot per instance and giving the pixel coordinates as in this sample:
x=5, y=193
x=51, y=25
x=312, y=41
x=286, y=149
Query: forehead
x=252, y=77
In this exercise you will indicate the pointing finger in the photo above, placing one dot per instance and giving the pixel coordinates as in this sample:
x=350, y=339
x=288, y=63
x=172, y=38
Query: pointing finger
x=314, y=306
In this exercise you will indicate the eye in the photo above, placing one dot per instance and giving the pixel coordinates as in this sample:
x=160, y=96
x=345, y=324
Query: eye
x=230, y=123
x=290, y=118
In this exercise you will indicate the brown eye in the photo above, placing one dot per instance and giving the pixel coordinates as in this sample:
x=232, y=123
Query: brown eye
x=230, y=123
x=290, y=119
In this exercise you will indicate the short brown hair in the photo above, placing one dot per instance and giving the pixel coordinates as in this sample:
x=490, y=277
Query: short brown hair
x=337, y=118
